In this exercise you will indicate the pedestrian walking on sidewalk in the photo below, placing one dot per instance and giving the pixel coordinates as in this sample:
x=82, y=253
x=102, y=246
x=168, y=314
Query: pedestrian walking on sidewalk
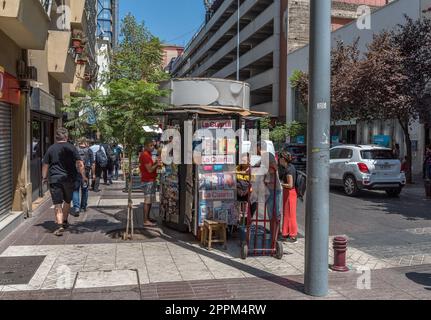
x=118, y=158
x=148, y=167
x=108, y=172
x=287, y=174
x=80, y=204
x=101, y=162
x=60, y=165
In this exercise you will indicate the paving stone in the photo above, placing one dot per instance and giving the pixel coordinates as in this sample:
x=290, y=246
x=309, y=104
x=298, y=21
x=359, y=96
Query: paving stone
x=94, y=279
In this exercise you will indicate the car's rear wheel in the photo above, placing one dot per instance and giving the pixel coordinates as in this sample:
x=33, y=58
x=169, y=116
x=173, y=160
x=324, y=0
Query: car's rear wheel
x=350, y=186
x=394, y=192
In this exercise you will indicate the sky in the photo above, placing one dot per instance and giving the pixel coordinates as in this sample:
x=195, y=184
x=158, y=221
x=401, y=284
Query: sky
x=173, y=21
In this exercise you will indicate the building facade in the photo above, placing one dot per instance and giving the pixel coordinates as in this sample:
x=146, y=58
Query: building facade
x=107, y=37
x=24, y=26
x=170, y=54
x=108, y=14
x=268, y=30
x=386, y=18
x=44, y=42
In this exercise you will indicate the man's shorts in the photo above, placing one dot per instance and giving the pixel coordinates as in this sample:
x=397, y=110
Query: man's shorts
x=61, y=192
x=149, y=189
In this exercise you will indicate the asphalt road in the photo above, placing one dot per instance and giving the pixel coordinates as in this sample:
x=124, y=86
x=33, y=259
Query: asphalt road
x=379, y=225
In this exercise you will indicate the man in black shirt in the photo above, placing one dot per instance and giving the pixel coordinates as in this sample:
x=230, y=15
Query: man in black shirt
x=60, y=169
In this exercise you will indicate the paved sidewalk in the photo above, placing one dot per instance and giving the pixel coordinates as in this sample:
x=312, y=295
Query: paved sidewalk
x=164, y=264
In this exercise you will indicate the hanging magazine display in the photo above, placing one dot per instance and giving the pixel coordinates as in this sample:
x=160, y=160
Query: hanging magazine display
x=216, y=174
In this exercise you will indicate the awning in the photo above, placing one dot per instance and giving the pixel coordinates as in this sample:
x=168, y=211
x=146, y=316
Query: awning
x=215, y=110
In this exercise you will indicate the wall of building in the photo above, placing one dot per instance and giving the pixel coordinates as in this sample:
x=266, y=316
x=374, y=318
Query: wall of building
x=170, y=53
x=9, y=54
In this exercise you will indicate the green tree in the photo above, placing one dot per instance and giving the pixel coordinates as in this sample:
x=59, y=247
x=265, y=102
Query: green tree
x=132, y=97
x=130, y=105
x=279, y=132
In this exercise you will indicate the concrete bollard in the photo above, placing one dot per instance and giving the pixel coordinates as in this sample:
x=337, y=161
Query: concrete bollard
x=340, y=249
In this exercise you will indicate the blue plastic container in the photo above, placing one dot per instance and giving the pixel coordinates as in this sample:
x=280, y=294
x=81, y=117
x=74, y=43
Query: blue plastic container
x=262, y=239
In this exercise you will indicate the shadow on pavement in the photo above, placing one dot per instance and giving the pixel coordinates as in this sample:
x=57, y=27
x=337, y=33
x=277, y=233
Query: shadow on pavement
x=409, y=205
x=423, y=279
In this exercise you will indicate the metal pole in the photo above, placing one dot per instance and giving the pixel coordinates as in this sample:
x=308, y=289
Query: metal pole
x=238, y=43
x=319, y=115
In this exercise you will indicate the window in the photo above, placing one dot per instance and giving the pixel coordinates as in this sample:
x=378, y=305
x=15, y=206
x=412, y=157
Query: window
x=335, y=153
x=346, y=154
x=379, y=154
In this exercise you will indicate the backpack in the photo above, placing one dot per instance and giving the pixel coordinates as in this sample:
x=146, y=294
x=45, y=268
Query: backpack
x=86, y=154
x=301, y=184
x=112, y=157
x=101, y=158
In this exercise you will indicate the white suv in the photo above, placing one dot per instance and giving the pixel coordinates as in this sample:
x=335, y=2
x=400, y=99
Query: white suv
x=358, y=167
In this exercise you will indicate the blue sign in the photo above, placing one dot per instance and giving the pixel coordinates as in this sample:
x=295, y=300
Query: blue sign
x=91, y=119
x=382, y=140
x=300, y=139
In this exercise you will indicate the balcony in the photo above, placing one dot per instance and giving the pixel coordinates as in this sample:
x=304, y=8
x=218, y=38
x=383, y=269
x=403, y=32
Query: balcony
x=61, y=63
x=77, y=8
x=26, y=22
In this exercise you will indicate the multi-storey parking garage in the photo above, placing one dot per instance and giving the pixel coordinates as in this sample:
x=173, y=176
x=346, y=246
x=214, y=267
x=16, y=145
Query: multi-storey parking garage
x=268, y=29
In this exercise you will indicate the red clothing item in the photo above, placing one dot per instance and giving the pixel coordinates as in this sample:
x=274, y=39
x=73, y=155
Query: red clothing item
x=290, y=227
x=144, y=159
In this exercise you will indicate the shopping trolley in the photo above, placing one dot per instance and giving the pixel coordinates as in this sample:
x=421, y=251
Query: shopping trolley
x=259, y=236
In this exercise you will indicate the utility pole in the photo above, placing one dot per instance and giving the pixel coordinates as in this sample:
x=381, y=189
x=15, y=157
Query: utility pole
x=318, y=145
x=238, y=42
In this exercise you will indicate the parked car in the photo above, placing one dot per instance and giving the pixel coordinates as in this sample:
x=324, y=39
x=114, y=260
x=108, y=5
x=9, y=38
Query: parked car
x=299, y=155
x=370, y=167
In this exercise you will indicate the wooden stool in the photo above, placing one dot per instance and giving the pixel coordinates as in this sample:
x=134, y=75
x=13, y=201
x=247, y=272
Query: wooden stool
x=211, y=228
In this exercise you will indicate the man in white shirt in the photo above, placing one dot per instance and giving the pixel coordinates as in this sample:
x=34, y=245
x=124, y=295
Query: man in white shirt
x=97, y=166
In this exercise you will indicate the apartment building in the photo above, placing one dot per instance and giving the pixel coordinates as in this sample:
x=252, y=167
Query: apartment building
x=107, y=36
x=268, y=30
x=65, y=66
x=41, y=52
x=108, y=14
x=170, y=53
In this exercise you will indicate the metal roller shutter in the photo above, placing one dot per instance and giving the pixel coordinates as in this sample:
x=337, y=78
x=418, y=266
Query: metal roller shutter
x=5, y=159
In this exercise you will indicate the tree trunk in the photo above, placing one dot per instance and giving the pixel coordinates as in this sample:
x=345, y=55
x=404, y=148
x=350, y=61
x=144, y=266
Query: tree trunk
x=405, y=127
x=129, y=223
x=129, y=198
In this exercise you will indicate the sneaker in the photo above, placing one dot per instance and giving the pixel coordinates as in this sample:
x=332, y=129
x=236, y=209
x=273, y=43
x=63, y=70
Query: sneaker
x=284, y=239
x=59, y=231
x=84, y=209
x=293, y=240
x=75, y=212
x=66, y=224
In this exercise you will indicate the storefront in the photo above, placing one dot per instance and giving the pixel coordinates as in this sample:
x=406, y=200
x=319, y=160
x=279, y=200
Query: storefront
x=343, y=132
x=43, y=117
x=9, y=97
